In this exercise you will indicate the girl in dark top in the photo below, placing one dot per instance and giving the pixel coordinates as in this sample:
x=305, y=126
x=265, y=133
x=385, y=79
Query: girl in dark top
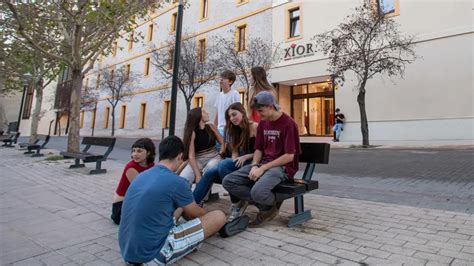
x=143, y=158
x=200, y=145
x=258, y=83
x=240, y=135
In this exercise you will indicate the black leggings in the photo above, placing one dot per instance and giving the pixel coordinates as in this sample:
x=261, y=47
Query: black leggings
x=116, y=212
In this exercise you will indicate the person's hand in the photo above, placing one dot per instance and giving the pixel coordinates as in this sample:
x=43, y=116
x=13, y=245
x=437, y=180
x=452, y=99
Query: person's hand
x=198, y=178
x=255, y=173
x=239, y=161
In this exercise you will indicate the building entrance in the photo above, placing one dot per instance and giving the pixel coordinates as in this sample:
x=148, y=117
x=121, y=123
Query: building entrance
x=313, y=108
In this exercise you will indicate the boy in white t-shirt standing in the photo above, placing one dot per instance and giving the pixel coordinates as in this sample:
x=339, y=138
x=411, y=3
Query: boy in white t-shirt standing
x=225, y=98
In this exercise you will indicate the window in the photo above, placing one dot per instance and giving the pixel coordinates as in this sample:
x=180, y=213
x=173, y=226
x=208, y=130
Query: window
x=242, y=97
x=198, y=101
x=150, y=33
x=93, y=118
x=170, y=59
x=97, y=81
x=388, y=8
x=204, y=9
x=241, y=38
x=141, y=118
x=146, y=71
x=112, y=74
x=294, y=22
x=127, y=71
x=123, y=112
x=165, y=120
x=130, y=41
x=174, y=17
x=114, y=48
x=28, y=103
x=86, y=84
x=81, y=122
x=201, y=50
x=106, y=117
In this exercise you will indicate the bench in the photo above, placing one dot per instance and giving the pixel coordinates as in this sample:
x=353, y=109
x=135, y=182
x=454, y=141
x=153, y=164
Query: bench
x=88, y=157
x=11, y=139
x=35, y=145
x=311, y=154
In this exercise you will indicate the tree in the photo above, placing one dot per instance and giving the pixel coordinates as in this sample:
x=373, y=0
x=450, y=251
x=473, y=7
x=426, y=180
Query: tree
x=197, y=67
x=18, y=59
x=117, y=85
x=259, y=52
x=367, y=44
x=77, y=32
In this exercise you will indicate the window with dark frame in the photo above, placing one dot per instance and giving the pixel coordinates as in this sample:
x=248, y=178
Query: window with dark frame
x=241, y=32
x=141, y=124
x=130, y=41
x=170, y=59
x=150, y=32
x=166, y=114
x=81, y=124
x=147, y=66
x=204, y=8
x=174, y=17
x=106, y=117
x=123, y=113
x=294, y=22
x=127, y=71
x=94, y=112
x=199, y=101
x=28, y=103
x=242, y=97
x=202, y=50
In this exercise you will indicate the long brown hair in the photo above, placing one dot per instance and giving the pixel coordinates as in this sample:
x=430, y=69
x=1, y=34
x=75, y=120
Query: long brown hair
x=192, y=122
x=259, y=76
x=238, y=134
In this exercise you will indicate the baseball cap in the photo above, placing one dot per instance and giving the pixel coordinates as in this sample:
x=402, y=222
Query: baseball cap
x=264, y=98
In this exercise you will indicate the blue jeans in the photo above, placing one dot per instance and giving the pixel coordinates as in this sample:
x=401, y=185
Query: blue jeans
x=221, y=132
x=215, y=175
x=337, y=130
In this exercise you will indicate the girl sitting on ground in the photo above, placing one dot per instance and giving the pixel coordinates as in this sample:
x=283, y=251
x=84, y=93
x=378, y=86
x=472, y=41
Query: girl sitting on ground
x=200, y=145
x=240, y=133
x=143, y=158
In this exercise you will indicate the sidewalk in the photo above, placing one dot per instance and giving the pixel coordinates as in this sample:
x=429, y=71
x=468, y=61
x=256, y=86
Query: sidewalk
x=395, y=144
x=52, y=215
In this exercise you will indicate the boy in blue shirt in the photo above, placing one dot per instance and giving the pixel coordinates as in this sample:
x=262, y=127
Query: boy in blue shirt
x=147, y=228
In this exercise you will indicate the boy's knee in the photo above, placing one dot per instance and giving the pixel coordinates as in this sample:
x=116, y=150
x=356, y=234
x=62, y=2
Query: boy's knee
x=261, y=196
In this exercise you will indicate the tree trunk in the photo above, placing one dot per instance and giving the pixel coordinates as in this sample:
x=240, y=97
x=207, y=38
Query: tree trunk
x=113, y=121
x=74, y=130
x=364, y=127
x=35, y=118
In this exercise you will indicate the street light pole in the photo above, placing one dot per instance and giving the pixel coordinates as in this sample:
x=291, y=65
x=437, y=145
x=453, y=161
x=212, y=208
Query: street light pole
x=174, y=84
x=26, y=82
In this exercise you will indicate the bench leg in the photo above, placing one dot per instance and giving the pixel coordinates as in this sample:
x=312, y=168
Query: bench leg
x=38, y=154
x=300, y=215
x=29, y=152
x=77, y=164
x=98, y=169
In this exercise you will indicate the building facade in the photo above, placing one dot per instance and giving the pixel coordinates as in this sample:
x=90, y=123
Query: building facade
x=433, y=101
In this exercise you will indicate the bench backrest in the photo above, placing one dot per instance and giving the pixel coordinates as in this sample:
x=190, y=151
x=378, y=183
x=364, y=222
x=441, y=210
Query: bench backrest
x=311, y=154
x=14, y=136
x=44, y=138
x=99, y=141
x=315, y=153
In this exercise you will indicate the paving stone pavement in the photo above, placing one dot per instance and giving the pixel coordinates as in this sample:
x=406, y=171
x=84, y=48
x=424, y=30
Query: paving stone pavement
x=52, y=215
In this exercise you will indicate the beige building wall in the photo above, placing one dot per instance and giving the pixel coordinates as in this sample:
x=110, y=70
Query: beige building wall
x=434, y=100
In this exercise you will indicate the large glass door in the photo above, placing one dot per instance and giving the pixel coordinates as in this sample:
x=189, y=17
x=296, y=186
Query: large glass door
x=312, y=110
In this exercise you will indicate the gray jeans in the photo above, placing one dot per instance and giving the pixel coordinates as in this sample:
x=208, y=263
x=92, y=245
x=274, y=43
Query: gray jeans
x=238, y=184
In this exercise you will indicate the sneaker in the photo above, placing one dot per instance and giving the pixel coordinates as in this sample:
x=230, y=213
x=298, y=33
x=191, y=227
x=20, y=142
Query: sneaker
x=237, y=209
x=264, y=216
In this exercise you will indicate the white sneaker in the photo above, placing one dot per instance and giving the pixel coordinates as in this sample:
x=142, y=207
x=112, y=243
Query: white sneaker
x=237, y=209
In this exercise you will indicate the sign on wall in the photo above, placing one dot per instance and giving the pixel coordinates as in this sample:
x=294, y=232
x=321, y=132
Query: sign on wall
x=295, y=51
